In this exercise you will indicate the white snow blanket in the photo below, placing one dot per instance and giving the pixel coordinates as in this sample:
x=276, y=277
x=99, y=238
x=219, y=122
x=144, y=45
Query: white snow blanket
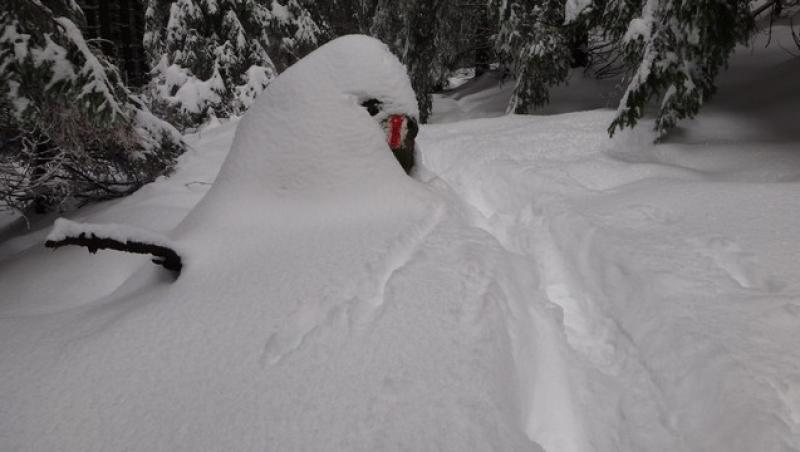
x=675, y=266
x=327, y=302
x=541, y=288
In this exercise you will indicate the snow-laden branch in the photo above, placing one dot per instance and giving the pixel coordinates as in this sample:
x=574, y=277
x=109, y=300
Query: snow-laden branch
x=115, y=237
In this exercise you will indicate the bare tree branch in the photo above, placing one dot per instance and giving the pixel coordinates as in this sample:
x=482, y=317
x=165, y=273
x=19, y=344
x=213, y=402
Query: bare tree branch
x=164, y=256
x=765, y=7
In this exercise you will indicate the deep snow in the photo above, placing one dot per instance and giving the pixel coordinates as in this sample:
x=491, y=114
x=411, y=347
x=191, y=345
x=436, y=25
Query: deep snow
x=675, y=266
x=538, y=287
x=327, y=301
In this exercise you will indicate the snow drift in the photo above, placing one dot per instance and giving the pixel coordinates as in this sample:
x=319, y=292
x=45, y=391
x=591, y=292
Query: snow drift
x=327, y=302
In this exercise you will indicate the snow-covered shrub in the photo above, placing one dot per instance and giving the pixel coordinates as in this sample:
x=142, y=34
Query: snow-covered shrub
x=70, y=131
x=213, y=57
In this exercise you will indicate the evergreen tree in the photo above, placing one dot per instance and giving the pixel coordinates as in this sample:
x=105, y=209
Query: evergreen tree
x=534, y=44
x=388, y=24
x=70, y=131
x=344, y=17
x=429, y=38
x=666, y=50
x=676, y=50
x=118, y=28
x=213, y=57
x=481, y=46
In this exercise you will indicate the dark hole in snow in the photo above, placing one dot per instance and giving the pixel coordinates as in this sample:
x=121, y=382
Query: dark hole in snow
x=373, y=106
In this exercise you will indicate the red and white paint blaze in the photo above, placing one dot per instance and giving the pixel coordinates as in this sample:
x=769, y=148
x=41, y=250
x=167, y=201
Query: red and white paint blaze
x=397, y=130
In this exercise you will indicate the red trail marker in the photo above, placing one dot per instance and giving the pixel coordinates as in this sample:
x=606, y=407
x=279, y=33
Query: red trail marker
x=396, y=124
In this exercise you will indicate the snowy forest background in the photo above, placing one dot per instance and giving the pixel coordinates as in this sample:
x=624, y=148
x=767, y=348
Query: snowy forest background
x=96, y=94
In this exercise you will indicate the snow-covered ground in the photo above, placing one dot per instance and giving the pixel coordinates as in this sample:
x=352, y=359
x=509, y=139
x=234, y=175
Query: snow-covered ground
x=540, y=287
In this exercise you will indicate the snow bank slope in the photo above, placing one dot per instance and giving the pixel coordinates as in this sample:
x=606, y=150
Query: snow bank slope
x=327, y=302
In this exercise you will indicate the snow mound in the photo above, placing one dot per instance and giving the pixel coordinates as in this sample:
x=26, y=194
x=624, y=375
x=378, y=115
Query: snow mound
x=327, y=302
x=308, y=152
x=307, y=134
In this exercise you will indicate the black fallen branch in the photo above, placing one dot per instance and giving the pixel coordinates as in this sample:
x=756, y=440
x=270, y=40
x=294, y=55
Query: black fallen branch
x=166, y=257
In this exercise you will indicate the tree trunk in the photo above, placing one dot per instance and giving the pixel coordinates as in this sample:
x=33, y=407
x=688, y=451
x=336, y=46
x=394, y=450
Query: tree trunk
x=482, y=43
